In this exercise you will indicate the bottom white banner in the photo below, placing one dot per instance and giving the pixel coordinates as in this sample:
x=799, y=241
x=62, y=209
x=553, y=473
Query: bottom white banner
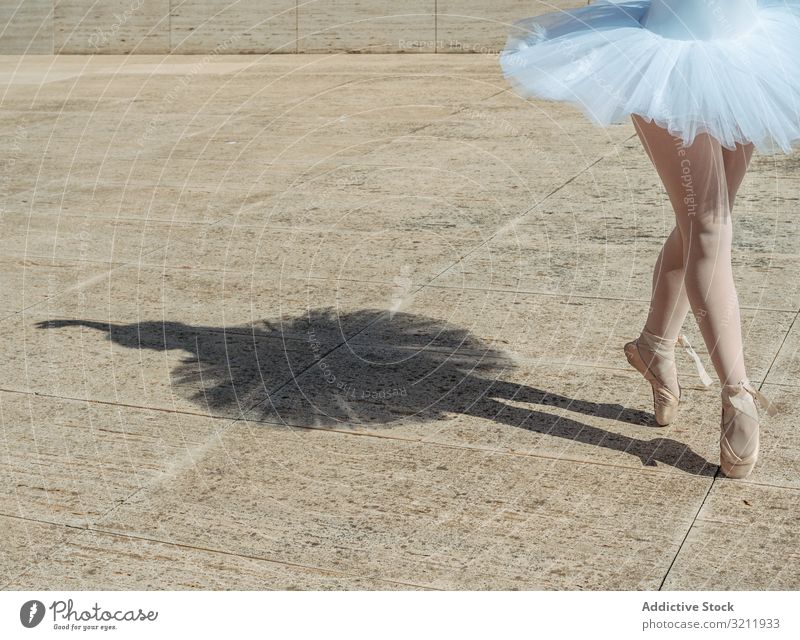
x=371, y=614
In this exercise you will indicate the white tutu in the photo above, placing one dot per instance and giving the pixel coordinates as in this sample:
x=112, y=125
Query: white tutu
x=689, y=70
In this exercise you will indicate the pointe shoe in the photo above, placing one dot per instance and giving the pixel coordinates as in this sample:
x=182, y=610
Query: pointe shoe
x=739, y=428
x=665, y=402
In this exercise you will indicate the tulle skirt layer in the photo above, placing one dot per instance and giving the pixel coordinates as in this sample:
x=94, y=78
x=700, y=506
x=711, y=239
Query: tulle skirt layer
x=739, y=89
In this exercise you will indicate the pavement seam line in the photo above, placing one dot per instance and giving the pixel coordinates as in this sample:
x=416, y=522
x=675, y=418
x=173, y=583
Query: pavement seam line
x=286, y=563
x=688, y=531
x=367, y=434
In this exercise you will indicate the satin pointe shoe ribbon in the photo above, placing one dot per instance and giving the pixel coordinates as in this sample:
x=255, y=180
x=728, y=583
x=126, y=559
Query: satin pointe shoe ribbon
x=741, y=404
x=701, y=370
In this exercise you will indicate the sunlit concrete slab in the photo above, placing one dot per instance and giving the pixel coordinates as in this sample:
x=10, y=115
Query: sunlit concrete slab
x=744, y=538
x=75, y=460
x=422, y=514
x=90, y=560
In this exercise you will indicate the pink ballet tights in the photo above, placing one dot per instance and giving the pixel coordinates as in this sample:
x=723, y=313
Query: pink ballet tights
x=693, y=270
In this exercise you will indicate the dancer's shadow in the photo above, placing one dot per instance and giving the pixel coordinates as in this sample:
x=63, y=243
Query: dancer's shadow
x=300, y=371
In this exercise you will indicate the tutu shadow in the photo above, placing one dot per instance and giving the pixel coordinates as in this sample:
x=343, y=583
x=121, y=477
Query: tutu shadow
x=299, y=371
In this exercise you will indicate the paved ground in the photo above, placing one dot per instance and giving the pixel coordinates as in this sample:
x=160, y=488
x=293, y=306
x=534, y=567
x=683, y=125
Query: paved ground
x=314, y=322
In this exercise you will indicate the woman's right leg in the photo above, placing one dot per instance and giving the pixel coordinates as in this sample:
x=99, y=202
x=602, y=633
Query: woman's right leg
x=668, y=301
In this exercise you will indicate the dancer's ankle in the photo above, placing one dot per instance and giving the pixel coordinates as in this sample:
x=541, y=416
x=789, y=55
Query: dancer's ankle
x=661, y=335
x=662, y=346
x=661, y=360
x=731, y=383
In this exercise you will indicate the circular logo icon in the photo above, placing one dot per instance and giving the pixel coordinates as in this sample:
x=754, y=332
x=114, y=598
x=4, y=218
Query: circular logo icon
x=31, y=613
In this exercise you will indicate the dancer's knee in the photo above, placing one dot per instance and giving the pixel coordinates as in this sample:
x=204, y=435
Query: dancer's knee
x=708, y=235
x=710, y=218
